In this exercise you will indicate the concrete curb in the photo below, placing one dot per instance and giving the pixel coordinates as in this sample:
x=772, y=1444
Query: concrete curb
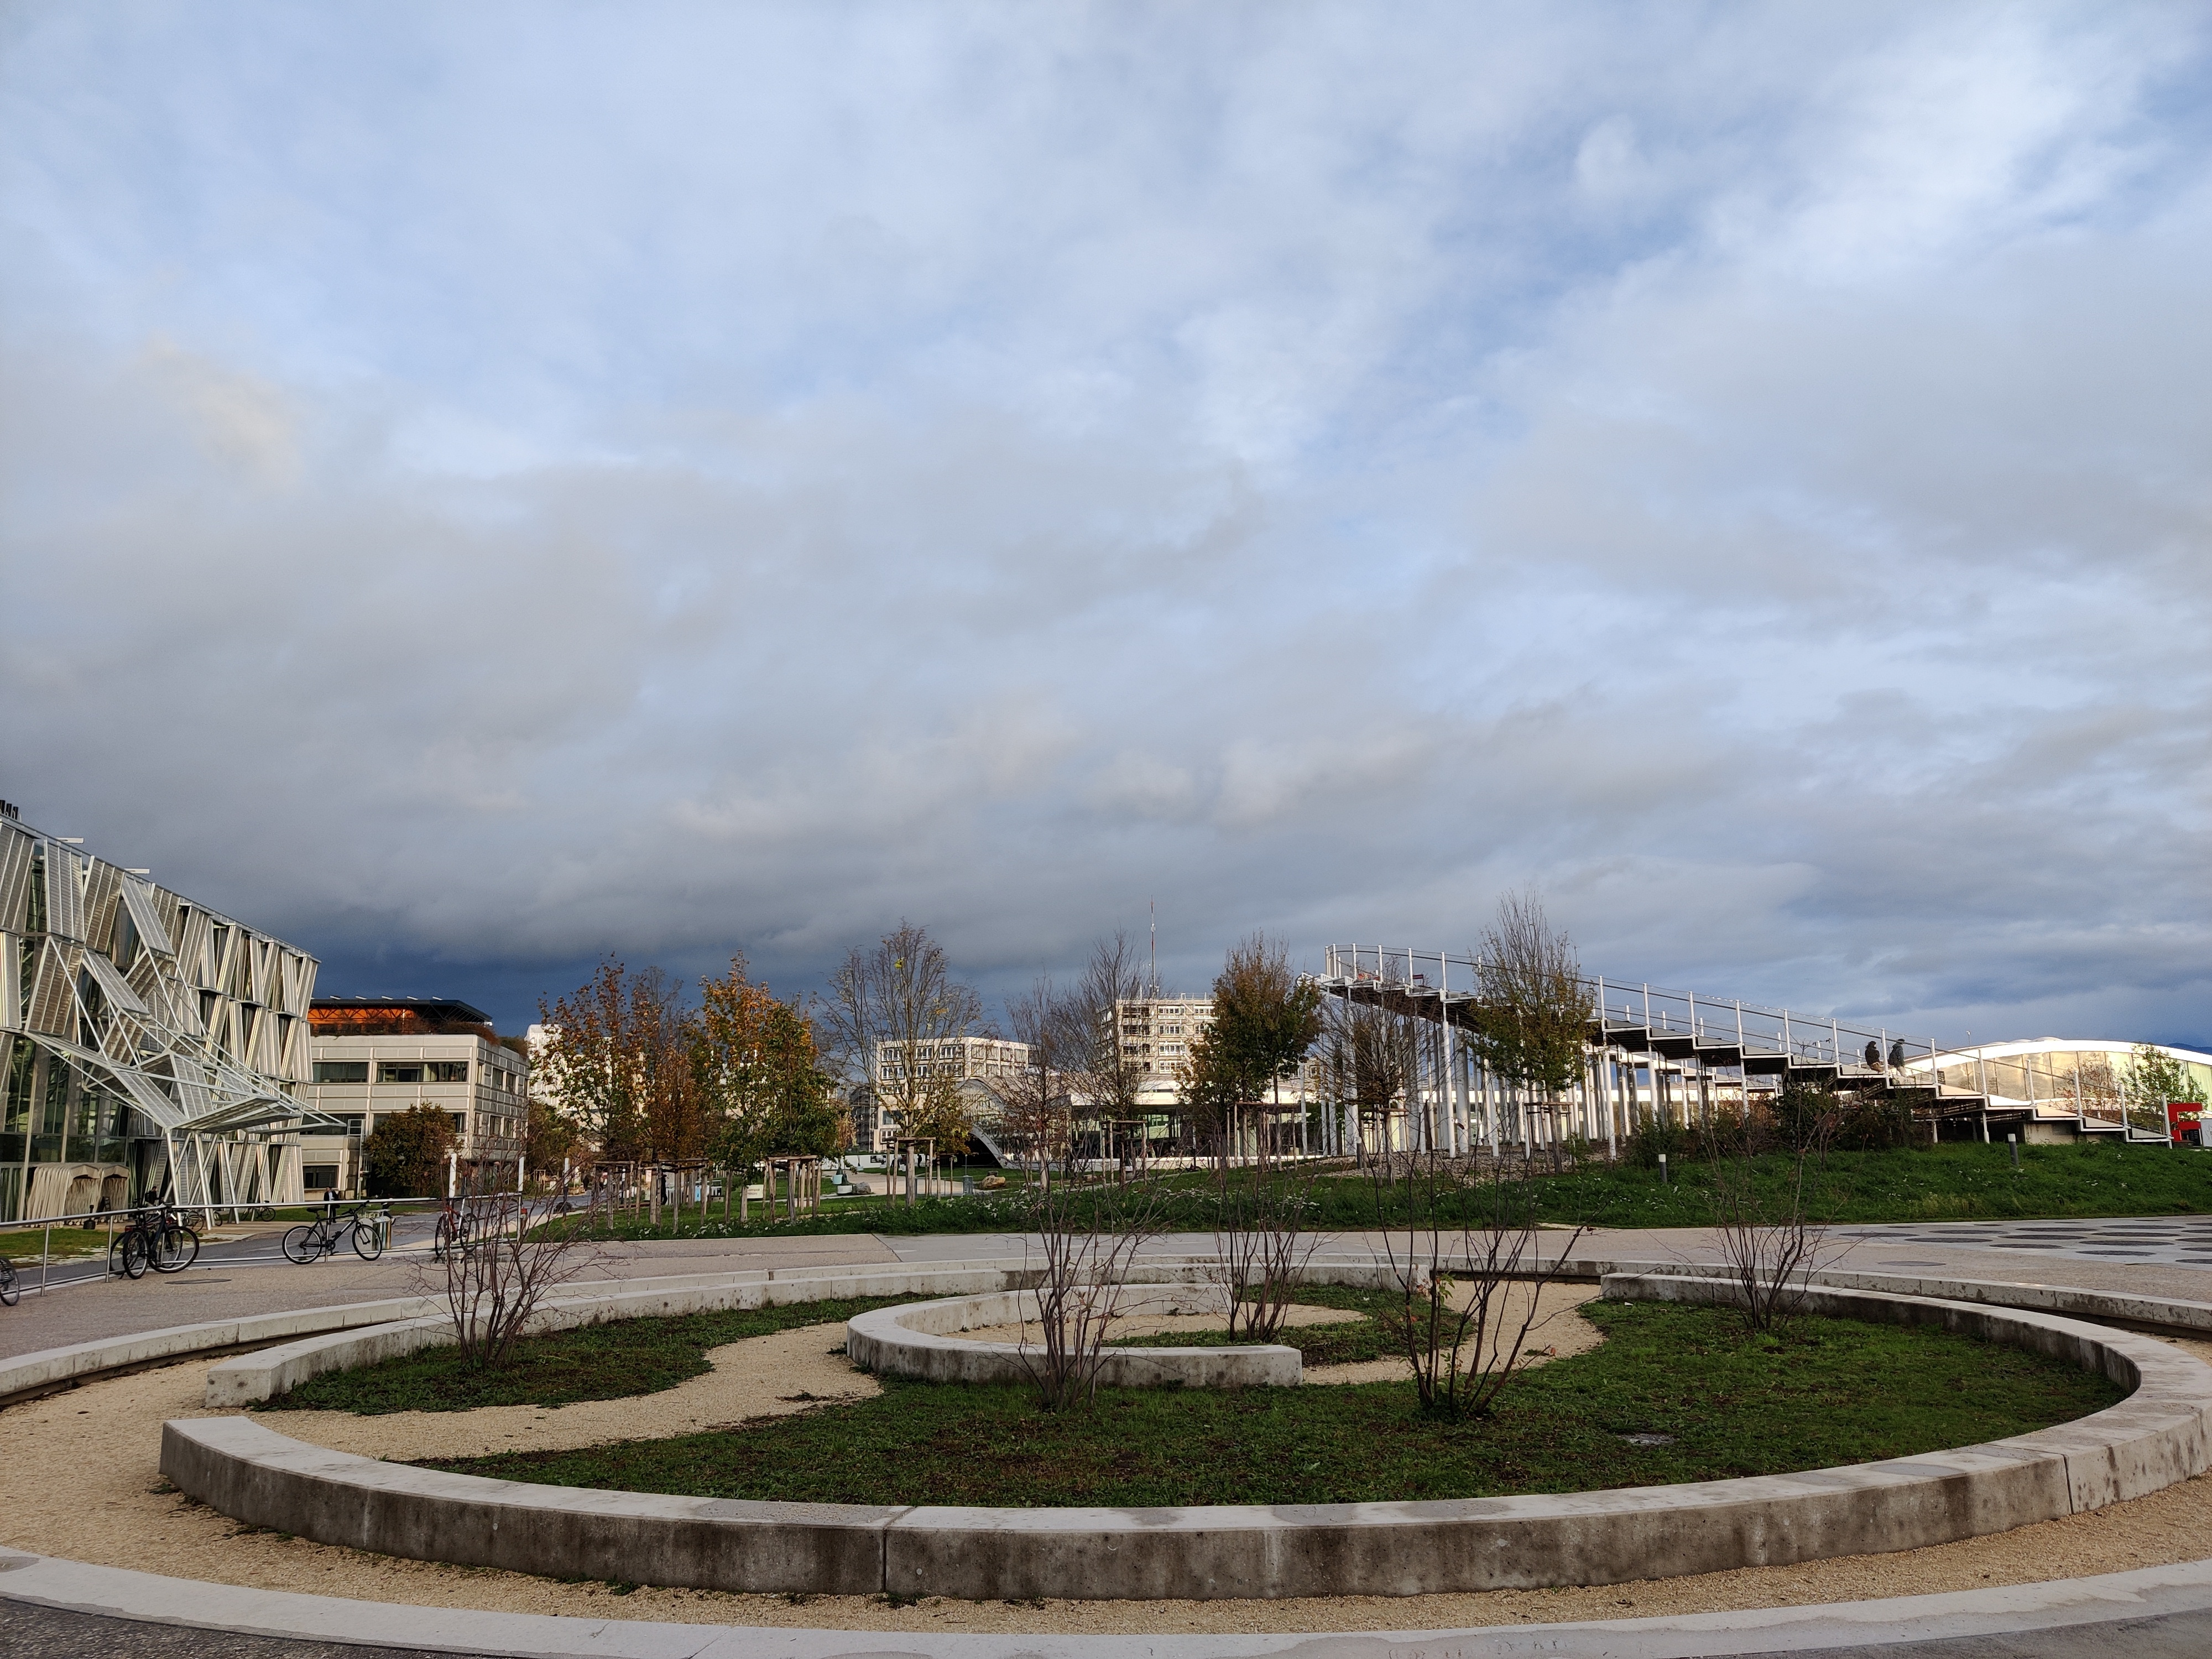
x=2108, y=1609
x=2158, y=1436
x=916, y=1341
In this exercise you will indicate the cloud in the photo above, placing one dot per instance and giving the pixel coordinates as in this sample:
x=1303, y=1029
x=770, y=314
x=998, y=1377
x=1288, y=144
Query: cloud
x=473, y=496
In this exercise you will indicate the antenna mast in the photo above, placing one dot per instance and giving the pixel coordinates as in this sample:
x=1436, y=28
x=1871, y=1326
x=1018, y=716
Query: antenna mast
x=1153, y=905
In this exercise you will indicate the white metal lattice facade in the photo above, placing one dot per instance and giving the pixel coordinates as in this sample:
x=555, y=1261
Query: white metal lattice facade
x=147, y=1044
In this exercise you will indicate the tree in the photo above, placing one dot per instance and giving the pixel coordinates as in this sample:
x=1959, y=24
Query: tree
x=891, y=1004
x=617, y=1057
x=760, y=1079
x=1034, y=1104
x=1266, y=1019
x=552, y=1137
x=1532, y=1013
x=405, y=1155
x=661, y=1033
x=586, y=1064
x=2153, y=1081
x=1107, y=1079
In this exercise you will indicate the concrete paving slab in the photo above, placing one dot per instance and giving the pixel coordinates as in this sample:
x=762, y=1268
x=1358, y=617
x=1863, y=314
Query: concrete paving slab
x=2157, y=1614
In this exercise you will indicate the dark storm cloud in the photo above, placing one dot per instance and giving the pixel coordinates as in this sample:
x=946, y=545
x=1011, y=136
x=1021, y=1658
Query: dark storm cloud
x=480, y=490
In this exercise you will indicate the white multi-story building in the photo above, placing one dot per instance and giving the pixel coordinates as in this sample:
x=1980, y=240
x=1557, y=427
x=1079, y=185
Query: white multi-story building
x=972, y=1062
x=374, y=1056
x=1156, y=1034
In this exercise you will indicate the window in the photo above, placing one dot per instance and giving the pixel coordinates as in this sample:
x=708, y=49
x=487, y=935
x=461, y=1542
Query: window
x=449, y=1070
x=399, y=1071
x=356, y=1123
x=319, y=1178
x=460, y=1123
x=341, y=1071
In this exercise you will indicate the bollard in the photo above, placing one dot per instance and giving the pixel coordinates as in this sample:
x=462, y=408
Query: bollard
x=1663, y=1168
x=2013, y=1142
x=45, y=1256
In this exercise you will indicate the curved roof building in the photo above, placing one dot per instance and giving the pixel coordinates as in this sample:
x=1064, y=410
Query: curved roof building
x=2060, y=1088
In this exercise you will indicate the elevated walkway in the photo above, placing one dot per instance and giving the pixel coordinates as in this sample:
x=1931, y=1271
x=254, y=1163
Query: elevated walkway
x=1682, y=1029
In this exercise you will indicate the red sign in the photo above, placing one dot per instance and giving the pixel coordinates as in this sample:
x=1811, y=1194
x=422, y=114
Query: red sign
x=2184, y=1122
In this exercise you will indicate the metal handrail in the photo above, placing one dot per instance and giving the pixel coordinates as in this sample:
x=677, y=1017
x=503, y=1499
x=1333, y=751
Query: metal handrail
x=46, y=1224
x=1753, y=1028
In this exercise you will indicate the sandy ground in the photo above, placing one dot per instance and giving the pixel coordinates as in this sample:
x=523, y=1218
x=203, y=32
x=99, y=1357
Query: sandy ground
x=1555, y=1331
x=760, y=1377
x=93, y=1491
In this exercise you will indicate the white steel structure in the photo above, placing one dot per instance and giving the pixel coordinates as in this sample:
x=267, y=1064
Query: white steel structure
x=1675, y=1054
x=147, y=1044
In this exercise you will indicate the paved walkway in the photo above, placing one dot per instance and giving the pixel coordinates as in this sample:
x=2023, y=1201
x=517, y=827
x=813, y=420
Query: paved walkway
x=2167, y=1256
x=54, y=1607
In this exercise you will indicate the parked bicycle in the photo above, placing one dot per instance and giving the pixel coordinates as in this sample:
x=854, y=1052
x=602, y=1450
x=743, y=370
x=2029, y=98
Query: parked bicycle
x=368, y=1226
x=156, y=1237
x=11, y=1291
x=456, y=1233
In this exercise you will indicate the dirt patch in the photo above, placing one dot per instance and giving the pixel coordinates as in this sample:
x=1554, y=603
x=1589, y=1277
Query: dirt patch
x=84, y=1484
x=759, y=1376
x=1556, y=1331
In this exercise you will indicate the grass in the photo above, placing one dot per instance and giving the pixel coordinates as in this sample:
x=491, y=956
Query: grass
x=1829, y=1392
x=612, y=1361
x=70, y=1243
x=1946, y=1183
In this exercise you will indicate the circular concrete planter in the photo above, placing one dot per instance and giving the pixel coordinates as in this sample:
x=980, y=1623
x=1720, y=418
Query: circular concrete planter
x=918, y=1341
x=2158, y=1436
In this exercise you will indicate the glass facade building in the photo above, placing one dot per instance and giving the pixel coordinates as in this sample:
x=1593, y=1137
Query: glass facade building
x=148, y=1045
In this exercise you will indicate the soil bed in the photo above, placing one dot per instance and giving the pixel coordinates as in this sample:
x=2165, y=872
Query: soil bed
x=1706, y=1402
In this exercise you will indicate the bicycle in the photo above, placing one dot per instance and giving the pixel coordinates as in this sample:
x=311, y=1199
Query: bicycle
x=456, y=1230
x=157, y=1237
x=313, y=1240
x=11, y=1290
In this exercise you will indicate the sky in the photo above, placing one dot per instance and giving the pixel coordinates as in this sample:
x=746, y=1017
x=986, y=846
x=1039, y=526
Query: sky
x=482, y=487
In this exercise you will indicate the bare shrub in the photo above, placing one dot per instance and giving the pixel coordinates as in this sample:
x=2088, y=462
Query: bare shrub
x=1767, y=1236
x=1088, y=1236
x=1469, y=1267
x=509, y=1253
x=1261, y=1247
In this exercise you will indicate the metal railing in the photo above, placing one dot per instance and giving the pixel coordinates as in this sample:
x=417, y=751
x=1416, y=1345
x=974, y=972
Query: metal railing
x=1750, y=1030
x=112, y=1218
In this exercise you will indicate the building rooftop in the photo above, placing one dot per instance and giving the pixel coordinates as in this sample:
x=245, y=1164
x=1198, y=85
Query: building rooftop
x=431, y=1007
x=398, y=1016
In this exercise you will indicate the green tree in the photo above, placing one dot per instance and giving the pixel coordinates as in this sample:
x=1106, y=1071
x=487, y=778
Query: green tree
x=551, y=1137
x=1266, y=1019
x=405, y=1155
x=2154, y=1079
x=617, y=1057
x=759, y=1073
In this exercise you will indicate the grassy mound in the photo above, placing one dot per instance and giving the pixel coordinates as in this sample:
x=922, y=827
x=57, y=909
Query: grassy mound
x=1954, y=1182
x=1829, y=1392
